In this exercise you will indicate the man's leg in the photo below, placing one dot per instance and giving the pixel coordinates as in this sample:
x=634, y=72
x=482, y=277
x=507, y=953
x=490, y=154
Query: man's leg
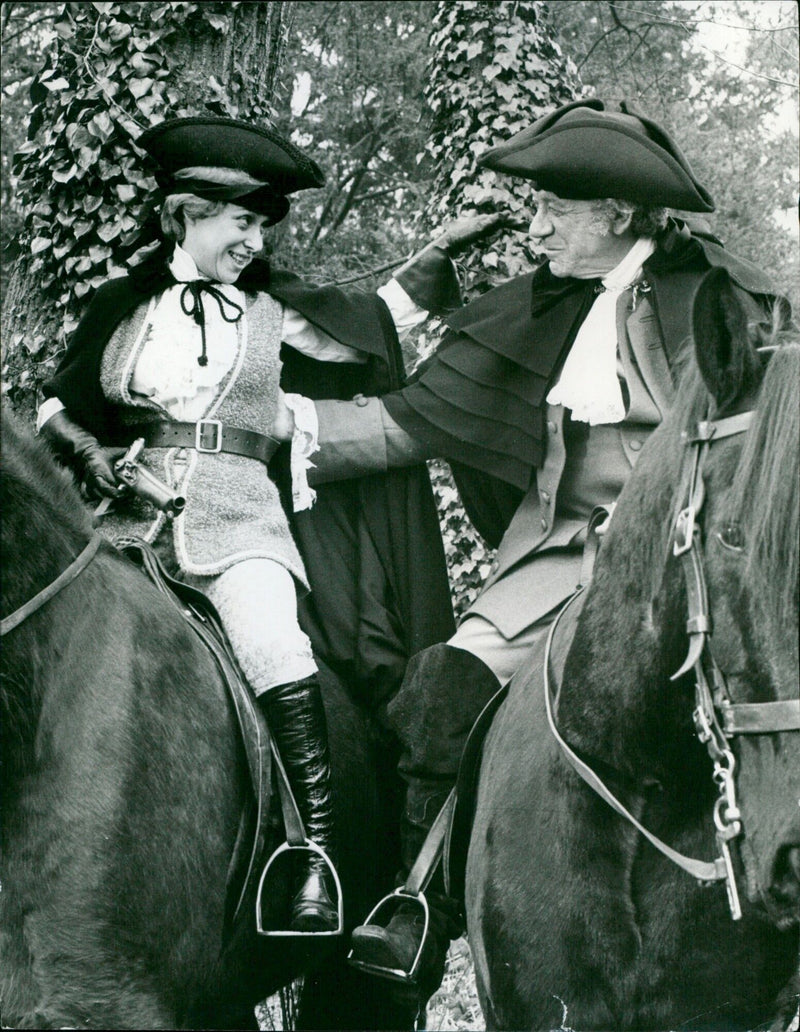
x=443, y=692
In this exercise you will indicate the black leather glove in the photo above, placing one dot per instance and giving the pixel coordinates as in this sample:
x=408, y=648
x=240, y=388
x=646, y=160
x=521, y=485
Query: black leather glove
x=93, y=462
x=429, y=277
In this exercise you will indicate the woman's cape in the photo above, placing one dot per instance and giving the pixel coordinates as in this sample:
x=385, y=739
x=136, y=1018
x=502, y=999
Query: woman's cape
x=371, y=546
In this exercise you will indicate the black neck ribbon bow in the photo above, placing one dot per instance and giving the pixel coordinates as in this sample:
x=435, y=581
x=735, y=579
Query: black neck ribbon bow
x=192, y=304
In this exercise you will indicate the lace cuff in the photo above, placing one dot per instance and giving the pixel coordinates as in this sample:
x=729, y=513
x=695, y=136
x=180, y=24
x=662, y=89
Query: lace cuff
x=305, y=442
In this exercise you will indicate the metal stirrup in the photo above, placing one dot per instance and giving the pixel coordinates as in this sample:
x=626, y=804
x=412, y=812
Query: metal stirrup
x=296, y=842
x=411, y=893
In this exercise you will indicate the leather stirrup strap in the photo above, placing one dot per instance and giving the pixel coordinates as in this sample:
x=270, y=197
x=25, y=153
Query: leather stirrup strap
x=421, y=873
x=293, y=822
x=597, y=526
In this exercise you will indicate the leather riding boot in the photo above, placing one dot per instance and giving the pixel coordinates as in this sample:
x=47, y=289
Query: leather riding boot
x=296, y=718
x=442, y=694
x=395, y=946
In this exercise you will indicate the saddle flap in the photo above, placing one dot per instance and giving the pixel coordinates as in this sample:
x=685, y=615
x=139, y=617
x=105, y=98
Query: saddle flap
x=200, y=614
x=456, y=845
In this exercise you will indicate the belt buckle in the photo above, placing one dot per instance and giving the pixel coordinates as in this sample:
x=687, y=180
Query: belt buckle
x=204, y=426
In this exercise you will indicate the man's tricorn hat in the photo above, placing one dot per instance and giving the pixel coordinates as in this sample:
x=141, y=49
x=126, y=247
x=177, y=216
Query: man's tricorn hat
x=208, y=141
x=583, y=151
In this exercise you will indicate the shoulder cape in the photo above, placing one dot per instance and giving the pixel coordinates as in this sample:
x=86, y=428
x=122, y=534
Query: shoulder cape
x=480, y=400
x=371, y=546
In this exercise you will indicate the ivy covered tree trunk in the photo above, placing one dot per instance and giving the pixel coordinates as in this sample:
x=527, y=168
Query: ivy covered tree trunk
x=117, y=69
x=494, y=70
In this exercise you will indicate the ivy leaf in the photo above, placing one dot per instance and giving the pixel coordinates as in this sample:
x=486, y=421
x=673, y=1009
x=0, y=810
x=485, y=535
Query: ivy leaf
x=39, y=244
x=56, y=84
x=118, y=30
x=109, y=231
x=87, y=156
x=125, y=192
x=101, y=125
x=98, y=254
x=64, y=176
x=64, y=28
x=216, y=21
x=138, y=87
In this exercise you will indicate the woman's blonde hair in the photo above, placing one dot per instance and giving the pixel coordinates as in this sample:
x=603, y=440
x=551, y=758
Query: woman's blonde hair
x=177, y=206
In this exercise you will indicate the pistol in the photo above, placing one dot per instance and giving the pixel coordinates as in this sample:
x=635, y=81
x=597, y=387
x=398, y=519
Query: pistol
x=137, y=479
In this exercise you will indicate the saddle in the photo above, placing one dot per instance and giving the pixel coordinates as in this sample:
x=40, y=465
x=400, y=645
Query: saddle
x=459, y=828
x=258, y=825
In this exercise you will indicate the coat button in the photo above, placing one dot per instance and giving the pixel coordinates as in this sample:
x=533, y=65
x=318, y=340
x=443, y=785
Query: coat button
x=494, y=567
x=545, y=497
x=360, y=400
x=544, y=524
x=551, y=427
x=635, y=445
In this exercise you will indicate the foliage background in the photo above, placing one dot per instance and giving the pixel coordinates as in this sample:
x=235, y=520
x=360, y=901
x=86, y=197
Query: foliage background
x=396, y=98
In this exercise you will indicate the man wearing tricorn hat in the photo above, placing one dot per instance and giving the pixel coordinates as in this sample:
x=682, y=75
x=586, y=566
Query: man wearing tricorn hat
x=187, y=352
x=541, y=395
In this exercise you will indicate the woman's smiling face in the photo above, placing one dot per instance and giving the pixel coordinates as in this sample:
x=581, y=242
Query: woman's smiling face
x=224, y=244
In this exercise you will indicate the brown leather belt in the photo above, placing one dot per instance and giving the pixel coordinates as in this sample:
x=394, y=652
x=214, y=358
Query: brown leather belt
x=211, y=436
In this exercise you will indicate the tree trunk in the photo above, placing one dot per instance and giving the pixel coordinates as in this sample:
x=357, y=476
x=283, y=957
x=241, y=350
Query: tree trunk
x=494, y=70
x=115, y=70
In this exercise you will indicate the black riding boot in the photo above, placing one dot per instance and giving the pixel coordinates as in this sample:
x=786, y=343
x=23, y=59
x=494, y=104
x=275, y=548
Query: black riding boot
x=296, y=718
x=441, y=696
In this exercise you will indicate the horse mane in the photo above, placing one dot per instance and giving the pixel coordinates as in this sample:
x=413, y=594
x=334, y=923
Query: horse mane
x=29, y=468
x=764, y=499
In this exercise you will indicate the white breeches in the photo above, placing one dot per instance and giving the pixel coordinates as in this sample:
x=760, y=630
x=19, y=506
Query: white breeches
x=257, y=603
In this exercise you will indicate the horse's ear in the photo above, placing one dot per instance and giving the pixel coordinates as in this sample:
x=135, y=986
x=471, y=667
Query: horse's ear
x=725, y=356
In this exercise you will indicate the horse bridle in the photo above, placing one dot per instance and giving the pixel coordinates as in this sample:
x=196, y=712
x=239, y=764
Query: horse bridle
x=75, y=568
x=716, y=717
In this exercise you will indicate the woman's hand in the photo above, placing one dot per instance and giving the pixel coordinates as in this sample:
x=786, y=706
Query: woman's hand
x=95, y=463
x=283, y=425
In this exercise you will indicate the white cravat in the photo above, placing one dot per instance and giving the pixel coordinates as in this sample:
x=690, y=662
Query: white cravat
x=589, y=385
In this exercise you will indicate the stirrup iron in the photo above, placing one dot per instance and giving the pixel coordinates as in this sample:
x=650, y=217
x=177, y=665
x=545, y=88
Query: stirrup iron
x=284, y=850
x=380, y=916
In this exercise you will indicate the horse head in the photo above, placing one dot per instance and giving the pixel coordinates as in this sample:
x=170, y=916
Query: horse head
x=701, y=557
x=751, y=526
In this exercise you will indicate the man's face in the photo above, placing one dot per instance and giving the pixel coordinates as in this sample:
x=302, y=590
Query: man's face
x=576, y=238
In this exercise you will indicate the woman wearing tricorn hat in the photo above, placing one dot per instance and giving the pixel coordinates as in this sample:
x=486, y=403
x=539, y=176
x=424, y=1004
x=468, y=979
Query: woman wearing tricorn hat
x=185, y=351
x=541, y=396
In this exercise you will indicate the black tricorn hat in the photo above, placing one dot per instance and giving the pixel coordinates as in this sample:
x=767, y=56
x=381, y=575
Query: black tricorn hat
x=583, y=151
x=212, y=141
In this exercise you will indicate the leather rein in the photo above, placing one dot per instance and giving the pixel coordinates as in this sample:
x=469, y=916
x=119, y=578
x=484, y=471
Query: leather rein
x=41, y=598
x=716, y=717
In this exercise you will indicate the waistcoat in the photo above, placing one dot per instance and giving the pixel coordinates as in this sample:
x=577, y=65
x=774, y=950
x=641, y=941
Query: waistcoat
x=233, y=510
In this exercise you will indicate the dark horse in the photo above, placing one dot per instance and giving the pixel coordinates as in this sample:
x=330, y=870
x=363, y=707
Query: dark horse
x=575, y=920
x=123, y=786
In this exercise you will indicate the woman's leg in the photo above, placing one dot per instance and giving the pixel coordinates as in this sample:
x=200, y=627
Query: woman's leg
x=257, y=603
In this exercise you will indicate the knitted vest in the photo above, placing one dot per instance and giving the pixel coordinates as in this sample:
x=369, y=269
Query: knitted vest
x=233, y=510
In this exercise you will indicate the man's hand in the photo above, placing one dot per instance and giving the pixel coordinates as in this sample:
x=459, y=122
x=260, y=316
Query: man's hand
x=455, y=237
x=283, y=425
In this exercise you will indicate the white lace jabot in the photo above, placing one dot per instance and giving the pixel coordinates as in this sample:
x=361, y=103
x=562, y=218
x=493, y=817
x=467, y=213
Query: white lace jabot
x=589, y=385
